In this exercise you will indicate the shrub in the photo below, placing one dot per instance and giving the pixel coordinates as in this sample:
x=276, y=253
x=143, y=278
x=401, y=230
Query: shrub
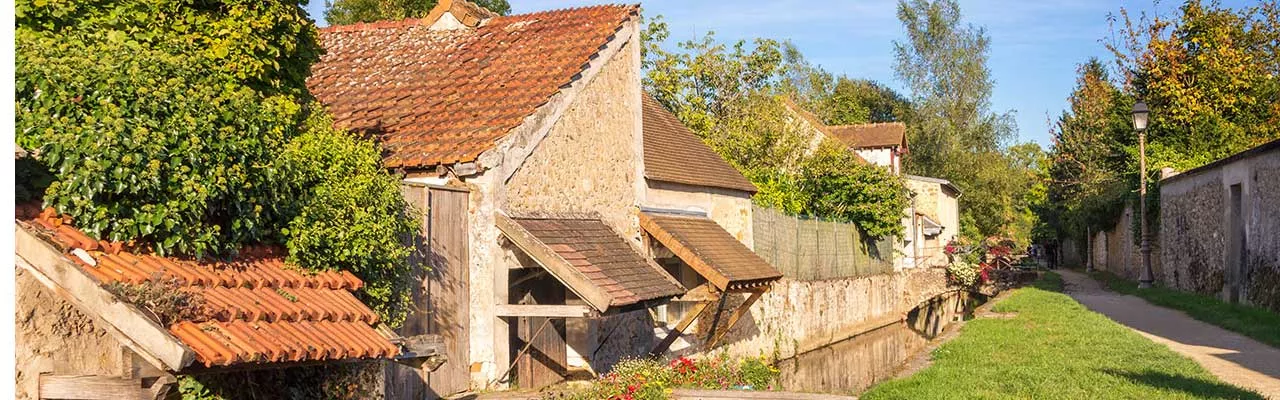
x=646, y=379
x=186, y=126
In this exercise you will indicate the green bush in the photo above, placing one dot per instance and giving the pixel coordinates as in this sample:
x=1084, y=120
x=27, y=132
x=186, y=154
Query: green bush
x=647, y=379
x=186, y=126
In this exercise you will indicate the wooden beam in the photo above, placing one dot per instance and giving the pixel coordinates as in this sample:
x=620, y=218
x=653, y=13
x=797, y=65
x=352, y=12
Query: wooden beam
x=124, y=321
x=90, y=387
x=737, y=313
x=560, y=268
x=684, y=323
x=701, y=293
x=684, y=253
x=544, y=310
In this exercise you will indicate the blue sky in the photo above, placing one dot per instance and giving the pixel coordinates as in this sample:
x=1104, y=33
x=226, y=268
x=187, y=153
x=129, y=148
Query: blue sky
x=1036, y=45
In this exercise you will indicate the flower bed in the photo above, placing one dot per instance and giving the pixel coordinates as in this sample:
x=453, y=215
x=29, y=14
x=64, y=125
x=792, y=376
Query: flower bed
x=643, y=379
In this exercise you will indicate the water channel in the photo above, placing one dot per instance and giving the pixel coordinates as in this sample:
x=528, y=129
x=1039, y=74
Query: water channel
x=855, y=364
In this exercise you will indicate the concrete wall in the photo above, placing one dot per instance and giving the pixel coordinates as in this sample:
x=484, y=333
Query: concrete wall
x=1195, y=226
x=796, y=317
x=54, y=336
x=731, y=209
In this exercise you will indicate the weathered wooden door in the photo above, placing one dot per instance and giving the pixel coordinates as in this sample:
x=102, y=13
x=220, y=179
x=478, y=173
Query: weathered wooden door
x=441, y=299
x=545, y=361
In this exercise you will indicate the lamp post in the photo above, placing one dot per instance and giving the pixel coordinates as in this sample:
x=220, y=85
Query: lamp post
x=1140, y=114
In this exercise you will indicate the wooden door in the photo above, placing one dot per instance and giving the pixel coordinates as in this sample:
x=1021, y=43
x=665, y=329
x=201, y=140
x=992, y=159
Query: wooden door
x=545, y=361
x=441, y=299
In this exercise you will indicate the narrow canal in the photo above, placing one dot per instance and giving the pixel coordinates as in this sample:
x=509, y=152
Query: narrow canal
x=855, y=364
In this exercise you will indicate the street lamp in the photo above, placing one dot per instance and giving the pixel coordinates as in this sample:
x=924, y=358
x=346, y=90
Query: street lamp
x=1140, y=115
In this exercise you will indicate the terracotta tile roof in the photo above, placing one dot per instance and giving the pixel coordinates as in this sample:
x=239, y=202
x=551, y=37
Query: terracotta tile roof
x=605, y=258
x=862, y=136
x=674, y=154
x=709, y=250
x=259, y=309
x=445, y=96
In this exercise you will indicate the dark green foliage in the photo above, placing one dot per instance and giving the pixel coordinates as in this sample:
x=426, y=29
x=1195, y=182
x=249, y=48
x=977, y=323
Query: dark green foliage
x=160, y=119
x=349, y=214
x=186, y=126
x=345, y=12
x=31, y=178
x=339, y=381
x=841, y=189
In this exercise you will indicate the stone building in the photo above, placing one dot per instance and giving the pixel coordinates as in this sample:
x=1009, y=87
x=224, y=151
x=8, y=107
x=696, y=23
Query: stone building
x=83, y=330
x=1220, y=228
x=551, y=240
x=936, y=210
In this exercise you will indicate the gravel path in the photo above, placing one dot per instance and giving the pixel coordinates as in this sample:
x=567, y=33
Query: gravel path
x=1230, y=356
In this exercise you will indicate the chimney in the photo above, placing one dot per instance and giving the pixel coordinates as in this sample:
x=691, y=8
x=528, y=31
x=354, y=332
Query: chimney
x=456, y=14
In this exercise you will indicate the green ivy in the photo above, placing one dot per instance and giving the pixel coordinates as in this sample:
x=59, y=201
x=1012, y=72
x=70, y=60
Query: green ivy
x=186, y=125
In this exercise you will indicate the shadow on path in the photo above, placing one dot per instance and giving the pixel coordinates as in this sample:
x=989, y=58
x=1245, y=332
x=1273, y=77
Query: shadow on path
x=1231, y=357
x=1195, y=387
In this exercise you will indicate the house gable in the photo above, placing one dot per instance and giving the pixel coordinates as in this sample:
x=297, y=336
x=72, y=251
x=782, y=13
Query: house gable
x=446, y=96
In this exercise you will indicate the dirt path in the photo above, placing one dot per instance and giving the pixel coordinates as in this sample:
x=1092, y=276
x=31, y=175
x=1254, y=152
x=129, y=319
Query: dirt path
x=1230, y=356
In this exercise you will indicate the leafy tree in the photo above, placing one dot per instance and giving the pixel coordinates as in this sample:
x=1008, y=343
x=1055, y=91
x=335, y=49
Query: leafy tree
x=344, y=12
x=1091, y=159
x=953, y=133
x=732, y=96
x=186, y=127
x=1209, y=75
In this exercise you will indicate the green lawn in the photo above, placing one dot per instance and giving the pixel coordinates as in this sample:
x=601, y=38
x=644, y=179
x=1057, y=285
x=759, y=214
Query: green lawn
x=1055, y=348
x=1260, y=324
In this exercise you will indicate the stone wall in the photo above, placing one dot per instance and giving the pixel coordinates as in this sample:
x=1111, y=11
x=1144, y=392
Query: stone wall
x=1195, y=228
x=731, y=209
x=590, y=162
x=1117, y=250
x=796, y=317
x=54, y=336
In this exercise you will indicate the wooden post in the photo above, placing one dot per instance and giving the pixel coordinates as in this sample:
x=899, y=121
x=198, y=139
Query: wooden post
x=737, y=313
x=684, y=323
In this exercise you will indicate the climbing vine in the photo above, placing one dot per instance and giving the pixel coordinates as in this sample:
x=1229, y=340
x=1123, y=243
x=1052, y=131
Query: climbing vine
x=185, y=126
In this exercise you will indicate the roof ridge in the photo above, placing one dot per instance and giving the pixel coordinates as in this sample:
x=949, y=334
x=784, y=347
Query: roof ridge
x=380, y=24
x=406, y=22
x=870, y=124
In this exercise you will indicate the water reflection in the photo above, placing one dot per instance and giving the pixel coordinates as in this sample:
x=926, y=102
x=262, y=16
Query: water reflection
x=857, y=363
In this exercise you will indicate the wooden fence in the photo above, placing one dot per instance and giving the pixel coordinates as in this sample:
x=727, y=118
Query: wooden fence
x=807, y=249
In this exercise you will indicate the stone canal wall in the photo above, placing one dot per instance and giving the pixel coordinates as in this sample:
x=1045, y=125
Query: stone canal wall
x=796, y=317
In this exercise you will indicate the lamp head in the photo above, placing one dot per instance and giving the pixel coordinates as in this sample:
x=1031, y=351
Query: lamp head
x=1140, y=115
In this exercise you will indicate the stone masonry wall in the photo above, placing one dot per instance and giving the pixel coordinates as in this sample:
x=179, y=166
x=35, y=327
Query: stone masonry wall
x=1121, y=254
x=1193, y=234
x=1263, y=260
x=589, y=161
x=796, y=317
x=54, y=336
x=1195, y=228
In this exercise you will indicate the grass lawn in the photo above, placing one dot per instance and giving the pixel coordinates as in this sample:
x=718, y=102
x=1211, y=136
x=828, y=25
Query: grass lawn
x=1260, y=324
x=1055, y=348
